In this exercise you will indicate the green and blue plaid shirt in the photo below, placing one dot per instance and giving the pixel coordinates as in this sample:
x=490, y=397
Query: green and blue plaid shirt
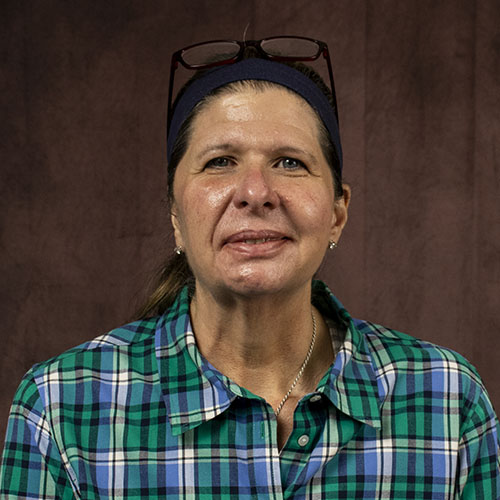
x=139, y=413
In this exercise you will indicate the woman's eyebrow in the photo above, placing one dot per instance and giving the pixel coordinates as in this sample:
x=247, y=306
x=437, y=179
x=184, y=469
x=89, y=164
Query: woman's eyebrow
x=213, y=148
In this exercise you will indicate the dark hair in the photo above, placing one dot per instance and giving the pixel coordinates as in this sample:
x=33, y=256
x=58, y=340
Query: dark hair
x=176, y=273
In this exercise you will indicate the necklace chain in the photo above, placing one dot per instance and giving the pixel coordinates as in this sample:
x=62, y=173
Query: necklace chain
x=302, y=368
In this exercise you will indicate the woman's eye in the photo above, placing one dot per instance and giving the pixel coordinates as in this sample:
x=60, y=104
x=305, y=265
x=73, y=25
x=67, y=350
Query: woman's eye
x=291, y=164
x=218, y=162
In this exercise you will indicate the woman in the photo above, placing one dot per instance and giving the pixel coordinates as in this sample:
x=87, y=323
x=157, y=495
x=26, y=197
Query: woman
x=252, y=381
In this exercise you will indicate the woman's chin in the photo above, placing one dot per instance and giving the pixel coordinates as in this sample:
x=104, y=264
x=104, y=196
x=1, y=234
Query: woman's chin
x=255, y=284
x=254, y=277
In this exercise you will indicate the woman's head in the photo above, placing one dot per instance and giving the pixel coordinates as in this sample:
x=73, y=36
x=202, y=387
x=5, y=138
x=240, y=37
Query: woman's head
x=302, y=204
x=253, y=196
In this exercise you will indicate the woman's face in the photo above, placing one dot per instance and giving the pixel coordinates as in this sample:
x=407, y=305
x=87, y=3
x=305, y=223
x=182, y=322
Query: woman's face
x=253, y=195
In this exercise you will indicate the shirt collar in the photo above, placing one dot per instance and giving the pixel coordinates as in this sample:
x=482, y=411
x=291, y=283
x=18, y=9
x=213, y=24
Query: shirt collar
x=353, y=385
x=191, y=389
x=194, y=391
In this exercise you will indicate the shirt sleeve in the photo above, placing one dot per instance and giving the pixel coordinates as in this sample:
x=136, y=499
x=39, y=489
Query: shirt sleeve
x=32, y=466
x=479, y=452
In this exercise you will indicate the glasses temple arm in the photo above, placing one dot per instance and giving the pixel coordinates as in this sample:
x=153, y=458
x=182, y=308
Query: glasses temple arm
x=173, y=66
x=326, y=55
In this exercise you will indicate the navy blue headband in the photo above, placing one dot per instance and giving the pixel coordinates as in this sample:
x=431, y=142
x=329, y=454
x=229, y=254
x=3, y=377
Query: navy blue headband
x=255, y=69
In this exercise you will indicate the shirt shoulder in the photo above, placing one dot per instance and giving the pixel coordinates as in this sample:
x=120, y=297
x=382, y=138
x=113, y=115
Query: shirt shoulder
x=399, y=364
x=406, y=365
x=394, y=349
x=101, y=354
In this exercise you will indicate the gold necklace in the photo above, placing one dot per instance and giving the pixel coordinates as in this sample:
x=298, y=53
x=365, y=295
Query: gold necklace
x=302, y=368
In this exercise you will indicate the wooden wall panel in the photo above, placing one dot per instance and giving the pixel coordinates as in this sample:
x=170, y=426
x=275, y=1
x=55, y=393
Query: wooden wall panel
x=83, y=216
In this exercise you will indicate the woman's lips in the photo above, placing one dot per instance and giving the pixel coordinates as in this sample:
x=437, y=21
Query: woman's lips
x=256, y=243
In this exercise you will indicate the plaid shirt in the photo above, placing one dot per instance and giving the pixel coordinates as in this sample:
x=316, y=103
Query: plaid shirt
x=139, y=413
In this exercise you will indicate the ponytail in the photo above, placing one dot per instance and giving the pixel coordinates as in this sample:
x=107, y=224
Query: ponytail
x=174, y=275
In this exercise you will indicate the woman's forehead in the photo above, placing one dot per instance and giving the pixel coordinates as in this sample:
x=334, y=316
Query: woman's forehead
x=276, y=109
x=257, y=90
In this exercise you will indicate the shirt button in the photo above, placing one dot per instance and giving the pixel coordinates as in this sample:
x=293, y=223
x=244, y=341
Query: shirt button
x=303, y=440
x=315, y=398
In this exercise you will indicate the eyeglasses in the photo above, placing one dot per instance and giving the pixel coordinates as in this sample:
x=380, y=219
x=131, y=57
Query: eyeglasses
x=207, y=55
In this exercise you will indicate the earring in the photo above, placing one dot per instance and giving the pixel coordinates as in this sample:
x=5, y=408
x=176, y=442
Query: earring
x=178, y=250
x=332, y=245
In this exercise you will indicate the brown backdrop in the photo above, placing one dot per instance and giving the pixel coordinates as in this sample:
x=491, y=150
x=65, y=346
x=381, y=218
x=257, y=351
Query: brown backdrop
x=83, y=96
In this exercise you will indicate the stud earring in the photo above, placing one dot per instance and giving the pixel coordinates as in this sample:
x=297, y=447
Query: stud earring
x=178, y=250
x=332, y=245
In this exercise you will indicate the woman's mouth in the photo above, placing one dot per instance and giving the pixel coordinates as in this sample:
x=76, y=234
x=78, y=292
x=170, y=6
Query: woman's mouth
x=254, y=237
x=261, y=243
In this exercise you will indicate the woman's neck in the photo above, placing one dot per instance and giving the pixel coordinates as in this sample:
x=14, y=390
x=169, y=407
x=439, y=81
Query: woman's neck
x=261, y=342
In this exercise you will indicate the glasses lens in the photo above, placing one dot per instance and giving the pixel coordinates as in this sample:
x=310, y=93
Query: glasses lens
x=294, y=48
x=209, y=53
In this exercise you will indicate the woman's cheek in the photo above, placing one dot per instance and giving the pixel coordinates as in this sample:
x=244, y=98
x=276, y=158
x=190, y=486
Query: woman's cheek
x=216, y=195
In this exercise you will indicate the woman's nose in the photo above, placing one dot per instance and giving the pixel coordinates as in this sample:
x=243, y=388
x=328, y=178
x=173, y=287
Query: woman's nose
x=255, y=189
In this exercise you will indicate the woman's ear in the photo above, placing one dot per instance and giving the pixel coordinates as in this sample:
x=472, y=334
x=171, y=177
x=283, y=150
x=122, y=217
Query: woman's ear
x=339, y=213
x=174, y=220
